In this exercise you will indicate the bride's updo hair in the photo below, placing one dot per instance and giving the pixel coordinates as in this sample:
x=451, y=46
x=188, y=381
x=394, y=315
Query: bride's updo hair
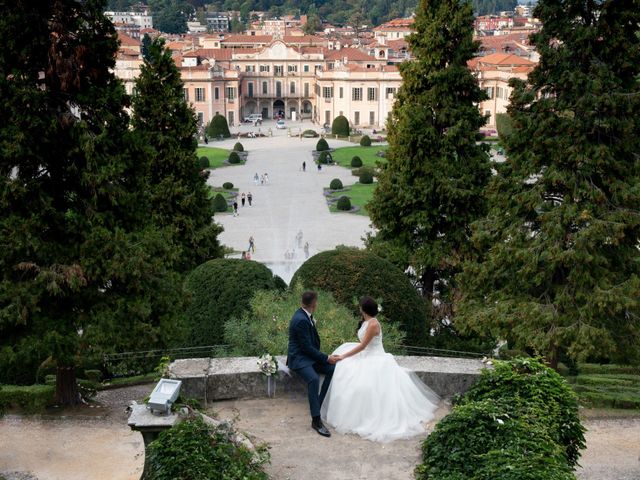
x=369, y=306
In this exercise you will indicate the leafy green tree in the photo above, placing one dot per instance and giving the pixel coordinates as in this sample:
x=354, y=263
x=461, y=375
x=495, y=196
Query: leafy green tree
x=170, y=16
x=168, y=126
x=312, y=26
x=82, y=268
x=236, y=25
x=218, y=127
x=559, y=271
x=430, y=189
x=488, y=7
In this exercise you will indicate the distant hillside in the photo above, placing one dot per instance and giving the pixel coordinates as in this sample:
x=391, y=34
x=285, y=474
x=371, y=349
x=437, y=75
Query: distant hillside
x=340, y=12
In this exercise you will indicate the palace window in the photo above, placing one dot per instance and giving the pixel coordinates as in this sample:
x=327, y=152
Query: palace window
x=231, y=93
x=186, y=94
x=327, y=92
x=199, y=94
x=264, y=68
x=356, y=95
x=372, y=94
x=292, y=68
x=292, y=87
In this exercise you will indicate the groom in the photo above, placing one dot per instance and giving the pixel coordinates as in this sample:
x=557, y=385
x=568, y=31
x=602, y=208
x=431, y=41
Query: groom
x=307, y=360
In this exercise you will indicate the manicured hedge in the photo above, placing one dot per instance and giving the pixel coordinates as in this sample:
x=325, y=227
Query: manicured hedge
x=234, y=158
x=340, y=126
x=356, y=162
x=220, y=290
x=336, y=184
x=366, y=177
x=29, y=399
x=518, y=422
x=504, y=125
x=344, y=203
x=227, y=185
x=238, y=147
x=193, y=450
x=365, y=141
x=204, y=162
x=218, y=127
x=529, y=385
x=349, y=274
x=322, y=145
x=220, y=203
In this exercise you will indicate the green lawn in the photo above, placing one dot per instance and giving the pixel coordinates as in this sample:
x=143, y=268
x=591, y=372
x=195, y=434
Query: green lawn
x=228, y=194
x=216, y=155
x=359, y=194
x=343, y=155
x=607, y=386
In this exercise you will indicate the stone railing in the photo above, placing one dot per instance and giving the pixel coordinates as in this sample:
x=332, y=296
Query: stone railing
x=238, y=377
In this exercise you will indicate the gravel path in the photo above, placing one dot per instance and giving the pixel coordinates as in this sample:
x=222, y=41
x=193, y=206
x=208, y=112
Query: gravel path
x=292, y=201
x=96, y=444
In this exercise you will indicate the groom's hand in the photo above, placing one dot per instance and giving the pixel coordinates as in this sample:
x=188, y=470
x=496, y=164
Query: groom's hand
x=333, y=359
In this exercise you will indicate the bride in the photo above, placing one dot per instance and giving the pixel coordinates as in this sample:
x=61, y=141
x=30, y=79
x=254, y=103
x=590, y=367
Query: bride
x=370, y=394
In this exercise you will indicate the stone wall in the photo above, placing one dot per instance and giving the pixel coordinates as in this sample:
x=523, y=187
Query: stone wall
x=238, y=377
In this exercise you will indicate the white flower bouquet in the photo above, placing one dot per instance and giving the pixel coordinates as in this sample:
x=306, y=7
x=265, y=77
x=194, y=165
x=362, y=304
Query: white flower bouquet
x=268, y=364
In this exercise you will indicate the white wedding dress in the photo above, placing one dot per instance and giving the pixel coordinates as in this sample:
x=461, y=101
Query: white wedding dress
x=374, y=397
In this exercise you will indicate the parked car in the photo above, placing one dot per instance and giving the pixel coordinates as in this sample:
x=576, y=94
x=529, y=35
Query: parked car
x=253, y=118
x=281, y=125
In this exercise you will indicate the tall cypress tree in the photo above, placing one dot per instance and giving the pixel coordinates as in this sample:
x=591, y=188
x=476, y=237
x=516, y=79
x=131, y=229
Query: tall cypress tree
x=82, y=268
x=560, y=271
x=168, y=126
x=431, y=188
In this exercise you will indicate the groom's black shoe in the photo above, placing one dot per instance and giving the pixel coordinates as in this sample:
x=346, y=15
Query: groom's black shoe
x=320, y=428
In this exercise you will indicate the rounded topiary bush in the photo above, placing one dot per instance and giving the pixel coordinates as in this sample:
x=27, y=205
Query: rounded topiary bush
x=344, y=204
x=234, y=158
x=227, y=185
x=502, y=444
x=310, y=134
x=356, y=162
x=238, y=147
x=220, y=203
x=193, y=449
x=349, y=273
x=218, y=127
x=340, y=126
x=220, y=290
x=322, y=145
x=366, y=177
x=324, y=157
x=365, y=141
x=538, y=391
x=336, y=184
x=204, y=162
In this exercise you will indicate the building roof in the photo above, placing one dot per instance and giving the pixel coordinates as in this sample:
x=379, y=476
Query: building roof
x=397, y=24
x=308, y=39
x=247, y=39
x=127, y=41
x=504, y=59
x=352, y=54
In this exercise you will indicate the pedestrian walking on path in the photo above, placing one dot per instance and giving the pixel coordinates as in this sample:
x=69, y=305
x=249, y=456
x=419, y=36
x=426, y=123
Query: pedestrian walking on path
x=249, y=198
x=266, y=178
x=319, y=168
x=252, y=244
x=235, y=208
x=243, y=199
x=304, y=166
x=256, y=179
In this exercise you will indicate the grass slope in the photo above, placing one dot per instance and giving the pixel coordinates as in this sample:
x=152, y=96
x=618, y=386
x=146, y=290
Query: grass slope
x=216, y=155
x=359, y=194
x=343, y=156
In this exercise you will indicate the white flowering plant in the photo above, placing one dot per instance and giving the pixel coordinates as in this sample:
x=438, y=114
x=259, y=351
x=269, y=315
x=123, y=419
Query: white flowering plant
x=268, y=364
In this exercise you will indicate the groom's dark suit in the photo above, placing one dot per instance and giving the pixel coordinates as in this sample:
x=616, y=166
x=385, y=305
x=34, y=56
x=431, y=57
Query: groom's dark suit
x=307, y=360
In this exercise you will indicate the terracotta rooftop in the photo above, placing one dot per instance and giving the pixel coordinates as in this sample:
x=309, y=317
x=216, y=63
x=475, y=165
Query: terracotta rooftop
x=247, y=39
x=127, y=41
x=352, y=54
x=504, y=59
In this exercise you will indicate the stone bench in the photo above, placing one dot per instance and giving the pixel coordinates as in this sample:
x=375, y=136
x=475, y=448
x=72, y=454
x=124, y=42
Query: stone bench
x=238, y=377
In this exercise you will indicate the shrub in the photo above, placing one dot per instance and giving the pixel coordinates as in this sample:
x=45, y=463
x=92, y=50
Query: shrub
x=366, y=177
x=322, y=145
x=340, y=126
x=349, y=273
x=238, y=147
x=94, y=376
x=204, y=162
x=365, y=141
x=359, y=171
x=335, y=184
x=234, y=158
x=324, y=157
x=218, y=127
x=539, y=391
x=344, y=203
x=220, y=203
x=28, y=398
x=489, y=440
x=193, y=450
x=356, y=162
x=227, y=185
x=264, y=327
x=279, y=283
x=221, y=289
x=310, y=134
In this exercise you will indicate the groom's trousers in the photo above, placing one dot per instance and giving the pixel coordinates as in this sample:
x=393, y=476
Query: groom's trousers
x=311, y=375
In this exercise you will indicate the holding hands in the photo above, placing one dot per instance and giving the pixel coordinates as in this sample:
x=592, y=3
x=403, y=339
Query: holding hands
x=333, y=359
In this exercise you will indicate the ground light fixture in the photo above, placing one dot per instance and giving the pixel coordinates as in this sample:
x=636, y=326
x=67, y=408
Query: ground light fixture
x=164, y=395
